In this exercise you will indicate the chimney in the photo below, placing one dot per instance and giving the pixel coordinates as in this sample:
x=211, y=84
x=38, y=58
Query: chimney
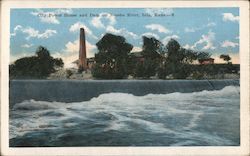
x=82, y=65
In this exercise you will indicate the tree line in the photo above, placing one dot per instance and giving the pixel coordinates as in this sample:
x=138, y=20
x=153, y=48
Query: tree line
x=114, y=59
x=39, y=66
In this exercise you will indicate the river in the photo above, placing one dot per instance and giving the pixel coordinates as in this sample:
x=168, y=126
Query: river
x=198, y=118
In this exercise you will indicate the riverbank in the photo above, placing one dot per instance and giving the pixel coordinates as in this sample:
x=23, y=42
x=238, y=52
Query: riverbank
x=78, y=90
x=73, y=74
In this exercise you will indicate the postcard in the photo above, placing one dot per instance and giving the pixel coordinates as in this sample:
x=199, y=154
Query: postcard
x=125, y=78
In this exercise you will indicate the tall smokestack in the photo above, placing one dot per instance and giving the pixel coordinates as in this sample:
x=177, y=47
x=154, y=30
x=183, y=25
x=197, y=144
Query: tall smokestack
x=82, y=65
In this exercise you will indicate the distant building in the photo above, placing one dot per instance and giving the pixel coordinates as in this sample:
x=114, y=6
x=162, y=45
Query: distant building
x=83, y=62
x=138, y=56
x=90, y=62
x=206, y=61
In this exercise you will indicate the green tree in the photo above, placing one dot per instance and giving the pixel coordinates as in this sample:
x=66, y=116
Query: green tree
x=226, y=58
x=201, y=56
x=174, y=58
x=42, y=53
x=151, y=52
x=139, y=70
x=152, y=48
x=38, y=66
x=112, y=58
x=178, y=59
x=173, y=51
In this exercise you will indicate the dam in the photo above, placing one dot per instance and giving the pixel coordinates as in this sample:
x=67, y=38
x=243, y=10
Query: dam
x=79, y=90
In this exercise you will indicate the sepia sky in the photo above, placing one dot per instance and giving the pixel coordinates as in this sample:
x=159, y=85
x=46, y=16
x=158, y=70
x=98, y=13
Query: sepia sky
x=215, y=30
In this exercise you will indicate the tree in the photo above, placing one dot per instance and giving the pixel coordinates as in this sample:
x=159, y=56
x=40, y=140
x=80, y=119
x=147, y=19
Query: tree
x=42, y=53
x=173, y=51
x=58, y=62
x=38, y=66
x=151, y=52
x=178, y=59
x=201, y=56
x=226, y=58
x=174, y=58
x=152, y=48
x=112, y=58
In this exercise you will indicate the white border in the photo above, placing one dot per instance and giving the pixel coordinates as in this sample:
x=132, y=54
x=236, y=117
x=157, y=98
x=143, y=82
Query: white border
x=243, y=149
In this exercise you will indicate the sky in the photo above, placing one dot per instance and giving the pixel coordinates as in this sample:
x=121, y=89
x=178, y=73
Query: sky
x=214, y=30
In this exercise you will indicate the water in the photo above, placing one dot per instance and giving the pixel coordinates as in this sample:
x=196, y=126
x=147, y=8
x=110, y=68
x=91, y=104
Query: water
x=206, y=118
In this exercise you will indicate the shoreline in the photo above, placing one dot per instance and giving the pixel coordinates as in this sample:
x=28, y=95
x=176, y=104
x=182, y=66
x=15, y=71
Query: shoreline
x=125, y=80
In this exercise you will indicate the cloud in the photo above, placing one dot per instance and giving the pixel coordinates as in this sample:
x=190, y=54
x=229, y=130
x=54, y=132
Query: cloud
x=211, y=24
x=73, y=47
x=76, y=27
x=98, y=22
x=27, y=45
x=187, y=46
x=16, y=29
x=71, y=52
x=158, y=27
x=167, y=38
x=190, y=29
x=153, y=11
x=207, y=40
x=48, y=33
x=122, y=31
x=230, y=17
x=136, y=49
x=68, y=58
x=33, y=33
x=228, y=43
x=149, y=34
x=194, y=29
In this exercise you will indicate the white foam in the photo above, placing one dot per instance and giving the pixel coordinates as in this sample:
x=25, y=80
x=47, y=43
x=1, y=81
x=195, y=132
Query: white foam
x=175, y=114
